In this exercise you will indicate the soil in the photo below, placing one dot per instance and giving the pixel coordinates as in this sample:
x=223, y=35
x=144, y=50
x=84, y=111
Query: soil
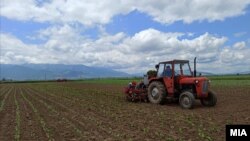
x=79, y=111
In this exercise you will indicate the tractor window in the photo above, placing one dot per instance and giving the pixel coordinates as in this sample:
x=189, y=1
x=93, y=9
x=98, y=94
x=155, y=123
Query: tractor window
x=177, y=69
x=182, y=69
x=185, y=69
x=160, y=70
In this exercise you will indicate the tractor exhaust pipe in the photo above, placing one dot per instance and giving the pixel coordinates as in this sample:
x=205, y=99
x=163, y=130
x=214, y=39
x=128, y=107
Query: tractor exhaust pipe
x=195, y=67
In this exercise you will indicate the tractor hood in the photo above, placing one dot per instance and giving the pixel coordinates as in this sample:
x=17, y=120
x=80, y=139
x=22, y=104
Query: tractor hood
x=192, y=80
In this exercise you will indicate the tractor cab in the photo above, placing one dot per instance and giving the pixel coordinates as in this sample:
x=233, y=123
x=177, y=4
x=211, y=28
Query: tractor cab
x=173, y=68
x=170, y=73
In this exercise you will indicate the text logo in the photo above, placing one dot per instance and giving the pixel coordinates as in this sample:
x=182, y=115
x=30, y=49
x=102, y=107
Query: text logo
x=237, y=132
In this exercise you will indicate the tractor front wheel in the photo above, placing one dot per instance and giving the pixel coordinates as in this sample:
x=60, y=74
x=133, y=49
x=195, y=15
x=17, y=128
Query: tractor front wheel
x=156, y=92
x=186, y=100
x=211, y=99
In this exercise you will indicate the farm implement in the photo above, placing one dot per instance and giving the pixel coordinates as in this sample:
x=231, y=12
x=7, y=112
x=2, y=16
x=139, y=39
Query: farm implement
x=172, y=80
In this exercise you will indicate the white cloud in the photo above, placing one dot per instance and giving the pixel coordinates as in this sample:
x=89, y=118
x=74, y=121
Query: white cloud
x=88, y=12
x=168, y=45
x=92, y=12
x=231, y=59
x=239, y=45
x=193, y=10
x=137, y=53
x=238, y=54
x=14, y=51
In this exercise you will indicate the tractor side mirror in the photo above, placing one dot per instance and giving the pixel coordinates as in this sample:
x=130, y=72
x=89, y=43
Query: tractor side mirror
x=157, y=66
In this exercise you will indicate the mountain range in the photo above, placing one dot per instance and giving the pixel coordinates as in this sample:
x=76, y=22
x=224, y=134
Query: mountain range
x=62, y=71
x=55, y=71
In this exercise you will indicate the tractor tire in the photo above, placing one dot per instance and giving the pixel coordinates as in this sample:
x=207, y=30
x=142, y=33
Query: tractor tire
x=156, y=93
x=186, y=100
x=211, y=99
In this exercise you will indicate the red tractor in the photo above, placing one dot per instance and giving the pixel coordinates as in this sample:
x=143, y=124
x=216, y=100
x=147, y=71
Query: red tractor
x=173, y=80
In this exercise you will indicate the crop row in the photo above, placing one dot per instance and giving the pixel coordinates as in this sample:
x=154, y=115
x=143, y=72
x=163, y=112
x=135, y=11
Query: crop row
x=18, y=119
x=68, y=111
x=97, y=113
x=80, y=124
x=81, y=114
x=7, y=114
x=128, y=116
x=4, y=95
x=41, y=120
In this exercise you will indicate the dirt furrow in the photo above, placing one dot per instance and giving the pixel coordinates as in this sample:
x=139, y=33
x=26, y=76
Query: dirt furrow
x=30, y=128
x=129, y=118
x=81, y=113
x=105, y=120
x=62, y=120
x=43, y=124
x=3, y=90
x=97, y=100
x=7, y=117
x=3, y=98
x=73, y=111
x=17, y=127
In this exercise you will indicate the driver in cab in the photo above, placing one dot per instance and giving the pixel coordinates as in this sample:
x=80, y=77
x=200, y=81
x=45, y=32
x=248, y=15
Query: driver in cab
x=167, y=71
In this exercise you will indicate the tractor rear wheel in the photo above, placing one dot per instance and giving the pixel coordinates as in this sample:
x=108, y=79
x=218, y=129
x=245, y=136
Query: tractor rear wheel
x=187, y=100
x=211, y=99
x=156, y=92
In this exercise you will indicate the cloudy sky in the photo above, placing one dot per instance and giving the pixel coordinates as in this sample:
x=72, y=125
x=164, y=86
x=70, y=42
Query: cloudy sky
x=127, y=35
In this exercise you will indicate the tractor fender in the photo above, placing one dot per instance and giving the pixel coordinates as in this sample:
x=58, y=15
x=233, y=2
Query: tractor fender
x=155, y=79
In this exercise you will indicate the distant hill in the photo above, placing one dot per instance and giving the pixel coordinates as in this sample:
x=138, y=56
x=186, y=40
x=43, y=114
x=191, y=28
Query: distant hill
x=245, y=72
x=55, y=71
x=205, y=73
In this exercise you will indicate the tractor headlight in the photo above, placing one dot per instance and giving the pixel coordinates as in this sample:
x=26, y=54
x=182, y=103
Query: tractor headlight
x=196, y=81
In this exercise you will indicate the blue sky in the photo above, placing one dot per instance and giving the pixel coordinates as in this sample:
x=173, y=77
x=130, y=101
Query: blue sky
x=128, y=36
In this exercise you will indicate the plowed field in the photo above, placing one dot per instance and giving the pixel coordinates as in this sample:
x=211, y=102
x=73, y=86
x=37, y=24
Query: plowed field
x=96, y=111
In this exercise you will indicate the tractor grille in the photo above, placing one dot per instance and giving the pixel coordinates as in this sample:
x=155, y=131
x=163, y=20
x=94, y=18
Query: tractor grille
x=205, y=87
